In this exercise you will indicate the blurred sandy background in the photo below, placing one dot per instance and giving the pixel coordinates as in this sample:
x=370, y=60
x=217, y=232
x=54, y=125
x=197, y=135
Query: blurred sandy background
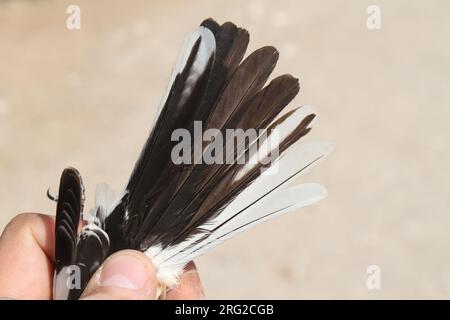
x=87, y=98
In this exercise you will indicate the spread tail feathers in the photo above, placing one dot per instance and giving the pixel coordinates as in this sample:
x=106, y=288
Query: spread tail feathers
x=175, y=210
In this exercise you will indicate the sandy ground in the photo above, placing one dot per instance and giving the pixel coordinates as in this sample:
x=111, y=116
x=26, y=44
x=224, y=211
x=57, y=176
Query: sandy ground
x=87, y=98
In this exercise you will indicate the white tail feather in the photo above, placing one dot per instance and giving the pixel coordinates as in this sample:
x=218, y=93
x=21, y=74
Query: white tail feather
x=206, y=50
x=255, y=201
x=280, y=202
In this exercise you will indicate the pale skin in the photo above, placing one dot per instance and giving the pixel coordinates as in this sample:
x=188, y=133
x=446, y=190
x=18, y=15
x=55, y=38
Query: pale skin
x=26, y=267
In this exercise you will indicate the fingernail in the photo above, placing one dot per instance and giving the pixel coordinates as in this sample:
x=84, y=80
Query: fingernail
x=124, y=271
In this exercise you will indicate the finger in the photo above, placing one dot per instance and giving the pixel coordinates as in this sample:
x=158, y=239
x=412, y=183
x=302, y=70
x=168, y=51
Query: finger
x=125, y=275
x=189, y=288
x=26, y=256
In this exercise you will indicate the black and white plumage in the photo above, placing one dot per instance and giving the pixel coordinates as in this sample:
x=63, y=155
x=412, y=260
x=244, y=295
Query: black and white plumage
x=175, y=212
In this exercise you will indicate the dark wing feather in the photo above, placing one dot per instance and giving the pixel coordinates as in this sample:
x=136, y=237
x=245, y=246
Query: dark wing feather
x=245, y=82
x=165, y=203
x=86, y=251
x=146, y=182
x=68, y=215
x=260, y=111
x=92, y=250
x=211, y=24
x=231, y=43
x=222, y=187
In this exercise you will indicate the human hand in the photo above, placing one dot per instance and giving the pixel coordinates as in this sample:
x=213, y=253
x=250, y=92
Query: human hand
x=26, y=267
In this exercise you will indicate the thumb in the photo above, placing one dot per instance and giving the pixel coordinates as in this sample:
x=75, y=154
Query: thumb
x=126, y=275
